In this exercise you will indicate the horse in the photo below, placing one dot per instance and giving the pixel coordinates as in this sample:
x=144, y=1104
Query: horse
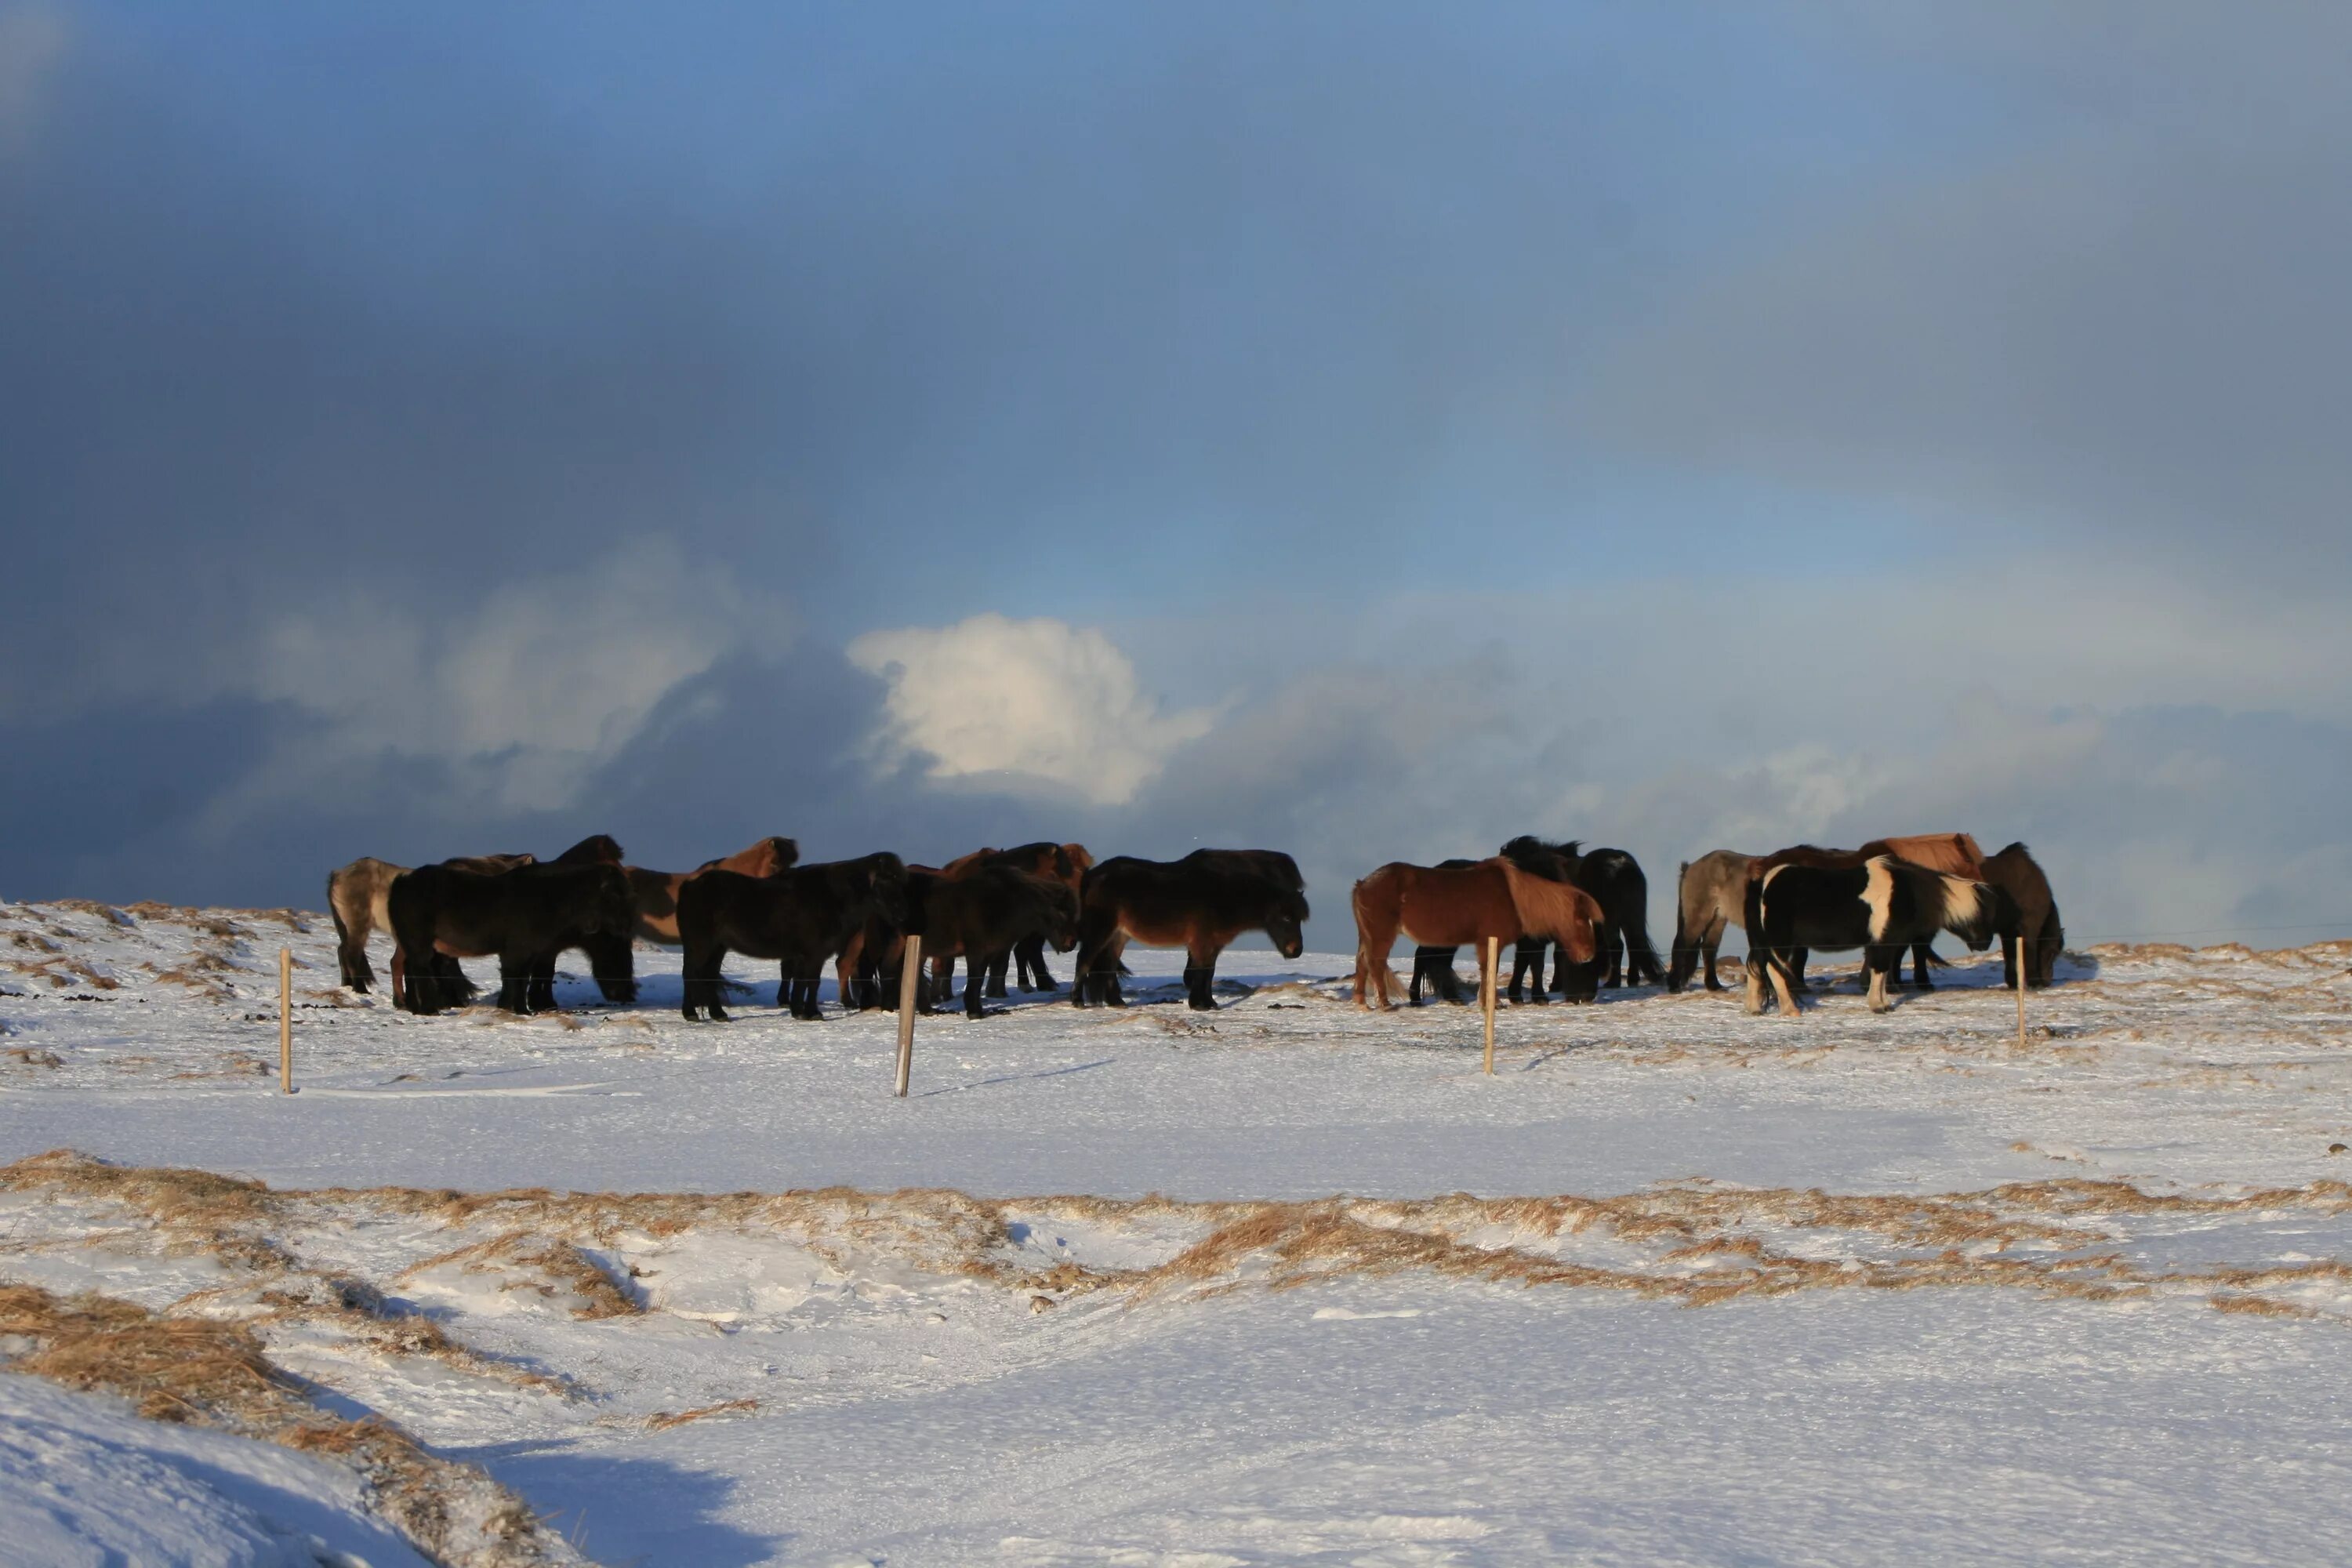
x=597, y=849
x=1435, y=964
x=983, y=914
x=1448, y=907
x=356, y=894
x=1200, y=903
x=1711, y=894
x=1615, y=880
x=1952, y=854
x=526, y=915
x=1042, y=859
x=2016, y=873
x=800, y=916
x=656, y=892
x=1881, y=906
x=1069, y=864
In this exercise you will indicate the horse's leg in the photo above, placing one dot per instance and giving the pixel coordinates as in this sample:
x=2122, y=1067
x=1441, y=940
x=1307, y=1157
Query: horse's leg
x=1875, y=964
x=514, y=983
x=1199, y=974
x=1754, y=967
x=996, y=968
x=1784, y=986
x=714, y=986
x=973, y=992
x=1923, y=954
x=540, y=992
x=1796, y=959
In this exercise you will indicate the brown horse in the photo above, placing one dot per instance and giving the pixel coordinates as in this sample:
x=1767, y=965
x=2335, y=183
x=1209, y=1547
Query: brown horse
x=1446, y=907
x=356, y=894
x=2015, y=872
x=656, y=892
x=1199, y=903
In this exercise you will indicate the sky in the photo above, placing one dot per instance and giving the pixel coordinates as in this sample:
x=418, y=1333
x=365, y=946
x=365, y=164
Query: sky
x=1371, y=431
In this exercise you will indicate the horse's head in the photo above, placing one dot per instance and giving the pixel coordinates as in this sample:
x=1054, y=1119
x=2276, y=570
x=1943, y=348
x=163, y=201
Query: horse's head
x=597, y=849
x=1285, y=922
x=886, y=885
x=1976, y=913
x=1061, y=914
x=611, y=908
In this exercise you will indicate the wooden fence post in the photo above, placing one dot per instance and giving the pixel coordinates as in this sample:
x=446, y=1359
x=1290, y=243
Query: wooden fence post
x=1493, y=956
x=911, y=977
x=2021, y=993
x=285, y=1020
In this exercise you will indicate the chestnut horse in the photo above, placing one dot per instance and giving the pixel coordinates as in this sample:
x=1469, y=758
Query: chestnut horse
x=1446, y=907
x=656, y=892
x=1199, y=903
x=356, y=894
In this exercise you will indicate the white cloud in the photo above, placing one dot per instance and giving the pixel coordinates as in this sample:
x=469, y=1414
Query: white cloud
x=530, y=692
x=1022, y=702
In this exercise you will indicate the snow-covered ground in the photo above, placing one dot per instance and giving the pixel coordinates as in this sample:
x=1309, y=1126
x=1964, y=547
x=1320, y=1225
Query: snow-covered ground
x=1841, y=1290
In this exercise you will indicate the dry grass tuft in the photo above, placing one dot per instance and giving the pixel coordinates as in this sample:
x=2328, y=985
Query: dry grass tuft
x=210, y=1374
x=544, y=1265
x=662, y=1420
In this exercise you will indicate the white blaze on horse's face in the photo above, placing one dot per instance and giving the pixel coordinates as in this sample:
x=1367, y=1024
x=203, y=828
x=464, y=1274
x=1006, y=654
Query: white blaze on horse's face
x=1878, y=893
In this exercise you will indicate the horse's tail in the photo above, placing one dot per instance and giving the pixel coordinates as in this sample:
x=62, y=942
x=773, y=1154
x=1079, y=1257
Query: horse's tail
x=1559, y=911
x=1639, y=956
x=1751, y=913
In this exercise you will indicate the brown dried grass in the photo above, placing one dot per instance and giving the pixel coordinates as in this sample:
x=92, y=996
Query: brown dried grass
x=206, y=1373
x=662, y=1420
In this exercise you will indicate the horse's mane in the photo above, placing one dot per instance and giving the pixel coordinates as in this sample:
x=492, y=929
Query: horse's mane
x=1551, y=910
x=1570, y=848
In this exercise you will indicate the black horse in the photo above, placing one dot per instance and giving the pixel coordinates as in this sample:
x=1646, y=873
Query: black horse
x=802, y=918
x=527, y=916
x=984, y=914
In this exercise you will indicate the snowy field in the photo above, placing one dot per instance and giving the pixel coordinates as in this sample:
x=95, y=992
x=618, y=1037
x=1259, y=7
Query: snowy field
x=1292, y=1283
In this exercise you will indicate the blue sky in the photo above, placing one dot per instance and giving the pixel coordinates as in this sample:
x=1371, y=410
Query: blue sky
x=1369, y=430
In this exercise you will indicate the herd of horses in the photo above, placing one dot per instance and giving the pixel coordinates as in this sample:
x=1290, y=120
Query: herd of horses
x=999, y=910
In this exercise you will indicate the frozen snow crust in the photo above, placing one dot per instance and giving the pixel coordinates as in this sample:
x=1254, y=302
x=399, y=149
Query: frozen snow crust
x=1844, y=1290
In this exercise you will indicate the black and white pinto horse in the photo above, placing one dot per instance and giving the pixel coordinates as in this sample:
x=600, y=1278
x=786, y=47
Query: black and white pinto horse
x=1882, y=907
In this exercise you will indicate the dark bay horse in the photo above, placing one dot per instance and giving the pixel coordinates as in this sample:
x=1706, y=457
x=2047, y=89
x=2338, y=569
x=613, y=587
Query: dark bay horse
x=1066, y=863
x=1447, y=907
x=526, y=915
x=802, y=918
x=1882, y=906
x=656, y=892
x=981, y=914
x=2016, y=873
x=356, y=898
x=1200, y=903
